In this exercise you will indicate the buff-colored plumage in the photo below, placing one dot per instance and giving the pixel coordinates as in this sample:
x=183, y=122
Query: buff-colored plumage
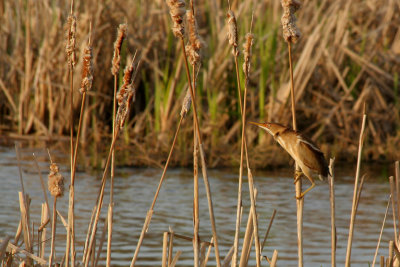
x=306, y=154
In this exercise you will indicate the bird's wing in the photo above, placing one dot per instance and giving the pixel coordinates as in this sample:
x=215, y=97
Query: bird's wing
x=311, y=155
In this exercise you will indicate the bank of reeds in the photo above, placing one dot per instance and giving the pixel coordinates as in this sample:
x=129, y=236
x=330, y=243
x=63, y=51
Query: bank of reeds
x=348, y=56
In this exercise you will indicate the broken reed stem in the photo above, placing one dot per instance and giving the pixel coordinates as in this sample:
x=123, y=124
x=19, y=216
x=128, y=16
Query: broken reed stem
x=254, y=215
x=353, y=209
x=202, y=157
x=380, y=235
x=274, y=258
x=333, y=216
x=150, y=211
x=164, y=260
x=247, y=240
x=268, y=229
x=397, y=173
x=392, y=192
x=46, y=199
x=170, y=246
x=53, y=232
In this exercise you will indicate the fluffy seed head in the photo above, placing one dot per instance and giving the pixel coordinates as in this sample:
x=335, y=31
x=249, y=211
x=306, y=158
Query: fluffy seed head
x=196, y=43
x=122, y=29
x=247, y=53
x=177, y=12
x=187, y=102
x=70, y=47
x=290, y=31
x=232, y=32
x=87, y=70
x=56, y=181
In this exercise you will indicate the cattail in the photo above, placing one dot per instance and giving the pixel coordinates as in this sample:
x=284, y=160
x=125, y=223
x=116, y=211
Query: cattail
x=247, y=54
x=70, y=47
x=177, y=12
x=125, y=96
x=290, y=31
x=87, y=70
x=56, y=181
x=232, y=32
x=187, y=102
x=122, y=29
x=195, y=41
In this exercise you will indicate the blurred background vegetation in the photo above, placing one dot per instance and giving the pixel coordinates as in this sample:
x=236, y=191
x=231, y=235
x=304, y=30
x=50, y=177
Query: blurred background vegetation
x=348, y=55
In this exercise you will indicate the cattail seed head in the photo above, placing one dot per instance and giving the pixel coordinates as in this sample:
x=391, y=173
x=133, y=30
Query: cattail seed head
x=121, y=35
x=187, y=102
x=71, y=33
x=177, y=12
x=290, y=31
x=56, y=181
x=232, y=32
x=196, y=43
x=87, y=70
x=247, y=53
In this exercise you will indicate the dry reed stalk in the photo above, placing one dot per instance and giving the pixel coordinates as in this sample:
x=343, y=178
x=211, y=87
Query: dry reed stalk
x=3, y=247
x=392, y=192
x=164, y=260
x=56, y=189
x=85, y=248
x=170, y=246
x=391, y=247
x=17, y=249
x=353, y=209
x=43, y=219
x=23, y=205
x=125, y=96
x=247, y=240
x=121, y=35
x=70, y=51
x=397, y=173
x=203, y=262
x=291, y=34
x=102, y=239
x=382, y=261
x=333, y=216
x=380, y=235
x=176, y=257
x=43, y=189
x=268, y=229
x=274, y=258
x=228, y=258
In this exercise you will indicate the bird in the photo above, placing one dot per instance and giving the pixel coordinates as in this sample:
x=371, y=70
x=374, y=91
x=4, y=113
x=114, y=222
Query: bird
x=306, y=154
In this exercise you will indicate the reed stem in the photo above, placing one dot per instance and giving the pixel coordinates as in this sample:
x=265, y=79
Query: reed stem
x=353, y=209
x=380, y=235
x=203, y=161
x=53, y=232
x=333, y=216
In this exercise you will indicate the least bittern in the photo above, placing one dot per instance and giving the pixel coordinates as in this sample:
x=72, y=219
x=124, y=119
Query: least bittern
x=306, y=154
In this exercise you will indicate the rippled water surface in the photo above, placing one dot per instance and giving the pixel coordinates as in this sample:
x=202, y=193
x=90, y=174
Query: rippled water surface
x=134, y=191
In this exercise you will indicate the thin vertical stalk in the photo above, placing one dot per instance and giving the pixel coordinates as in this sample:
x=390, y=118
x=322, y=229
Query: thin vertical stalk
x=171, y=245
x=380, y=235
x=196, y=221
x=397, y=172
x=268, y=229
x=392, y=192
x=164, y=260
x=333, y=216
x=150, y=211
x=53, y=232
x=203, y=161
x=299, y=201
x=353, y=209
x=254, y=215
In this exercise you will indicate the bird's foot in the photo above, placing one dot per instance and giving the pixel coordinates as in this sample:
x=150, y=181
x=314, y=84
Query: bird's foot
x=299, y=197
x=297, y=176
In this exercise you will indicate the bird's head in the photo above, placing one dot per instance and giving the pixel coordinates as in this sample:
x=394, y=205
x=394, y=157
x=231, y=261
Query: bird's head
x=270, y=127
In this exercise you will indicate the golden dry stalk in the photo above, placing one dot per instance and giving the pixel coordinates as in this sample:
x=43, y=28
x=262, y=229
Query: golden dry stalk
x=290, y=31
x=177, y=11
x=187, y=102
x=56, y=181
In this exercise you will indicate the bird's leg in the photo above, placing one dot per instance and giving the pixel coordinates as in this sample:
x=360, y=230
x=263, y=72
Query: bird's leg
x=297, y=176
x=305, y=192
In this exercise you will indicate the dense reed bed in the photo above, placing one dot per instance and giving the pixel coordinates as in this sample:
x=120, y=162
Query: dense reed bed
x=348, y=56
x=332, y=74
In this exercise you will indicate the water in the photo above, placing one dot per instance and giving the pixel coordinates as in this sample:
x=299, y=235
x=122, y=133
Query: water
x=134, y=191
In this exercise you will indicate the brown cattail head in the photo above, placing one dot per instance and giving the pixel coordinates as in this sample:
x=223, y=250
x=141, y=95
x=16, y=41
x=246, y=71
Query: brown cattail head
x=247, y=54
x=177, y=12
x=196, y=43
x=125, y=96
x=187, y=101
x=232, y=32
x=87, y=70
x=122, y=29
x=290, y=31
x=70, y=47
x=56, y=181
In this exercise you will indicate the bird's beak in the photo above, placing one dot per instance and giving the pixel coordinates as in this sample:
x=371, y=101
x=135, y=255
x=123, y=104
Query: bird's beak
x=257, y=124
